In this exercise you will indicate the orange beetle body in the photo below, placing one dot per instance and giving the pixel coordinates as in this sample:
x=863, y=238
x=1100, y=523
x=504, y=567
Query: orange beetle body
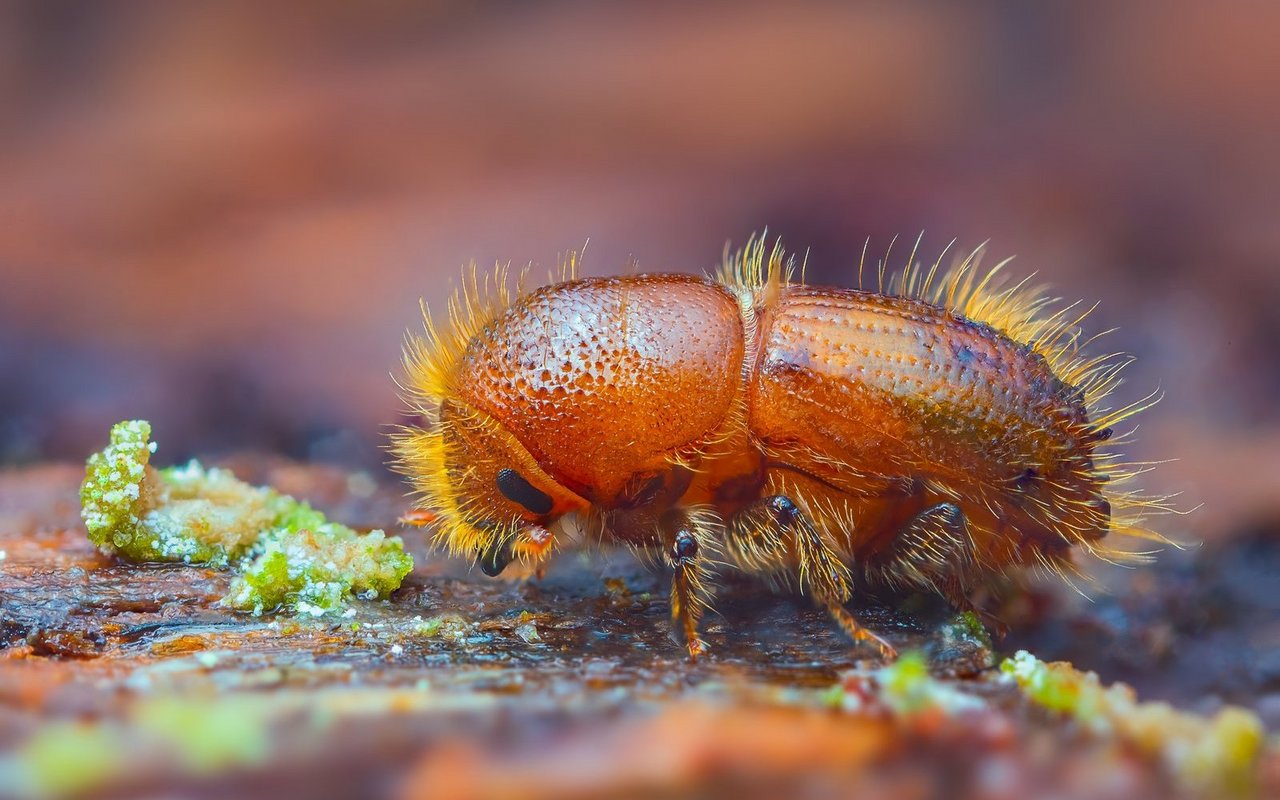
x=927, y=439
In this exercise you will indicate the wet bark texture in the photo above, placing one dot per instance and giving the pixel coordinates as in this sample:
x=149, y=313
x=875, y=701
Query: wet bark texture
x=463, y=686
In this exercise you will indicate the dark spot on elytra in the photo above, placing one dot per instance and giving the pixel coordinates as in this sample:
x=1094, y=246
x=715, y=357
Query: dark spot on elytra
x=1103, y=507
x=1100, y=435
x=1027, y=480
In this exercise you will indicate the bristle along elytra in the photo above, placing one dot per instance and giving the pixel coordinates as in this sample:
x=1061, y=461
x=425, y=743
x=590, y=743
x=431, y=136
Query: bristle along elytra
x=756, y=267
x=1026, y=312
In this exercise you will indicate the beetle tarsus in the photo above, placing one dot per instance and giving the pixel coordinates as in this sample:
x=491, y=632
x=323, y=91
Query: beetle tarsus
x=858, y=633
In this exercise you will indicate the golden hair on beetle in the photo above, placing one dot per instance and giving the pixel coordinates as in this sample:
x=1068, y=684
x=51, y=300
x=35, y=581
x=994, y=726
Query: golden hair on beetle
x=946, y=426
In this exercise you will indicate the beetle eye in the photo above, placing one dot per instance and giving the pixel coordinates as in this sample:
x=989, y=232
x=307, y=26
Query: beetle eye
x=515, y=488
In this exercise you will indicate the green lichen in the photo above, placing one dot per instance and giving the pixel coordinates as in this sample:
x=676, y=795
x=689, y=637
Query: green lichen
x=205, y=736
x=968, y=624
x=65, y=758
x=315, y=570
x=907, y=688
x=449, y=627
x=962, y=646
x=111, y=495
x=832, y=697
x=185, y=735
x=527, y=628
x=186, y=514
x=905, y=683
x=1215, y=754
x=426, y=628
x=288, y=555
x=1055, y=687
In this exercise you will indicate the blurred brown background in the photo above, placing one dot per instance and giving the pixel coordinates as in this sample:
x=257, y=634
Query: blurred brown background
x=221, y=216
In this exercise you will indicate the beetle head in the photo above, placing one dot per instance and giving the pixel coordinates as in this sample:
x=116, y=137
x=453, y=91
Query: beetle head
x=494, y=503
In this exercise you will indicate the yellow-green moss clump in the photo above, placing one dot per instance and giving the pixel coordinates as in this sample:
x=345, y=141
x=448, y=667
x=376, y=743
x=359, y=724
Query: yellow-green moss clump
x=905, y=688
x=317, y=568
x=1216, y=753
x=187, y=514
x=287, y=553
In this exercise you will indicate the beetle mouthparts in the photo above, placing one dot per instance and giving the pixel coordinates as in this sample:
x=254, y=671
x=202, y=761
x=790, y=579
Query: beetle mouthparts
x=495, y=558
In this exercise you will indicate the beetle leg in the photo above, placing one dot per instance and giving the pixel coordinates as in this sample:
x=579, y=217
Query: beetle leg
x=688, y=540
x=934, y=552
x=418, y=517
x=757, y=537
x=756, y=542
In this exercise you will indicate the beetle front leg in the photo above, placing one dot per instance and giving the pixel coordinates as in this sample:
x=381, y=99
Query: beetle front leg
x=688, y=540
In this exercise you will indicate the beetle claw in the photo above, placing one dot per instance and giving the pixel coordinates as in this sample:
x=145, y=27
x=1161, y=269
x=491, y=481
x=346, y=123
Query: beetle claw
x=494, y=559
x=697, y=648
